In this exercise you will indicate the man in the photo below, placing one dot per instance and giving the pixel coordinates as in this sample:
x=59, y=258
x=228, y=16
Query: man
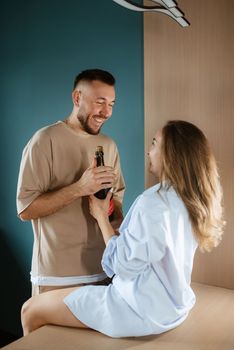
x=57, y=175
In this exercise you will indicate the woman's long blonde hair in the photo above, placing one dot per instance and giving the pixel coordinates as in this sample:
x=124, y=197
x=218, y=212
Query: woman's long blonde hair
x=189, y=166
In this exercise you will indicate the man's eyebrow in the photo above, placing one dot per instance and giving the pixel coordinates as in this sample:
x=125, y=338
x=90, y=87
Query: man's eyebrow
x=104, y=99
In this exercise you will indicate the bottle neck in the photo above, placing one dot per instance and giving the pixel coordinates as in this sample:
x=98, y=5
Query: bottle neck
x=99, y=158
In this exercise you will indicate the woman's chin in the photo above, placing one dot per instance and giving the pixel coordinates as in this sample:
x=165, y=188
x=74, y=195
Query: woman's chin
x=151, y=170
x=155, y=174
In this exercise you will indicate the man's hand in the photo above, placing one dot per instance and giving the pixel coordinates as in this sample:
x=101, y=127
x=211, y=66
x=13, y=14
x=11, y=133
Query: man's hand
x=96, y=178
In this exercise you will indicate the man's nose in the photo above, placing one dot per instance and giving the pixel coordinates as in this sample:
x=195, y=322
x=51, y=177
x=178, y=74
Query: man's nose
x=106, y=111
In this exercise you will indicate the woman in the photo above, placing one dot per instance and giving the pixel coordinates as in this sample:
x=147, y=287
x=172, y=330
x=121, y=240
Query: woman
x=152, y=258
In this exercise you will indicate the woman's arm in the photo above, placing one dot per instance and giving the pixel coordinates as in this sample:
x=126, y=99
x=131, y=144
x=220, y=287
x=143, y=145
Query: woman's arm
x=99, y=210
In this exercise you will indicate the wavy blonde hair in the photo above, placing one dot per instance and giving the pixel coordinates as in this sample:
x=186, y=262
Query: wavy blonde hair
x=189, y=166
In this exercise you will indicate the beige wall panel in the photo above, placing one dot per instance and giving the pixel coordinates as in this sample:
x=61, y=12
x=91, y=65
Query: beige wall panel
x=189, y=75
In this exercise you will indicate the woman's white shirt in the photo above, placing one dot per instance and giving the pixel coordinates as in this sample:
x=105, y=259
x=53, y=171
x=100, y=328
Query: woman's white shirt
x=152, y=258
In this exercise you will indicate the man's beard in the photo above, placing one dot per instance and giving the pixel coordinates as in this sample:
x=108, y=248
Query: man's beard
x=84, y=123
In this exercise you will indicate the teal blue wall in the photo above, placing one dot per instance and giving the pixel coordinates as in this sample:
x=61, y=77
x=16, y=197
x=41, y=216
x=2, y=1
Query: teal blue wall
x=44, y=45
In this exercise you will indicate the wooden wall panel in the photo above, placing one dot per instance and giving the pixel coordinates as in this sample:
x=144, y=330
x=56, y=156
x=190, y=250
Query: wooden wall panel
x=189, y=75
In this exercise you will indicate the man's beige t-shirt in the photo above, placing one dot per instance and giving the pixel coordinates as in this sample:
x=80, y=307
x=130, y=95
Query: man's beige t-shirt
x=68, y=245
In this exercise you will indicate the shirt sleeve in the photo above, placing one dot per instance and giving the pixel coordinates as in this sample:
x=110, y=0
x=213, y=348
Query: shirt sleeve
x=35, y=171
x=140, y=244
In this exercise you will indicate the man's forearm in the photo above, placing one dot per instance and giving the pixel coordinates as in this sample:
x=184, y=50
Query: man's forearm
x=93, y=180
x=50, y=202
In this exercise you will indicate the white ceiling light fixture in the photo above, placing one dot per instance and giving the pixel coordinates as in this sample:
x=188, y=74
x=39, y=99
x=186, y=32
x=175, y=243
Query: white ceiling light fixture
x=168, y=7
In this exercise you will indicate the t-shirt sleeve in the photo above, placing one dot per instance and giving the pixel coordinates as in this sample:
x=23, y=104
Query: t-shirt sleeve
x=141, y=243
x=35, y=171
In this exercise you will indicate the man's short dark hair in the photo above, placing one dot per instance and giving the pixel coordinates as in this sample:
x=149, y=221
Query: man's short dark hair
x=90, y=75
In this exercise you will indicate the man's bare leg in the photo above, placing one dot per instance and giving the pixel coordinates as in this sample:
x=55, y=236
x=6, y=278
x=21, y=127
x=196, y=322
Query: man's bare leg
x=48, y=308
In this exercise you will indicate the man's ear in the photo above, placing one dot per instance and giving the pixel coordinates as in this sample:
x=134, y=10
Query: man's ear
x=76, y=97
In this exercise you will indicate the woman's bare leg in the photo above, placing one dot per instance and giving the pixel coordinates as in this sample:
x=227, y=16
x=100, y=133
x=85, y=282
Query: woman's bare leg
x=48, y=308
